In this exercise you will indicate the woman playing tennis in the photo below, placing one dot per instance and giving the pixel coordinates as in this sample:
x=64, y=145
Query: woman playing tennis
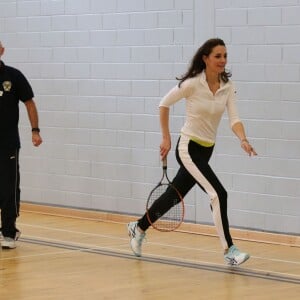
x=207, y=91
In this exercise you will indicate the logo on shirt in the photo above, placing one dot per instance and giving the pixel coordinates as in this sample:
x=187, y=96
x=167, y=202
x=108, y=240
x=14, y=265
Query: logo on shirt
x=6, y=86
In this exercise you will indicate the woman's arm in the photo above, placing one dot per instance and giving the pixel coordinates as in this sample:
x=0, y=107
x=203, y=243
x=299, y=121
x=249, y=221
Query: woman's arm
x=238, y=129
x=174, y=95
x=165, y=145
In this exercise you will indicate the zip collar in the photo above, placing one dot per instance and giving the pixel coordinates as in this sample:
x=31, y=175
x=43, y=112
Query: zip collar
x=223, y=85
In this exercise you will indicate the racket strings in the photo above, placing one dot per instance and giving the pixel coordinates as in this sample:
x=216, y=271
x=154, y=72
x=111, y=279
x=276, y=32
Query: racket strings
x=165, y=208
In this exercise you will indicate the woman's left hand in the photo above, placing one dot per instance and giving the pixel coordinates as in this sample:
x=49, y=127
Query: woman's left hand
x=248, y=148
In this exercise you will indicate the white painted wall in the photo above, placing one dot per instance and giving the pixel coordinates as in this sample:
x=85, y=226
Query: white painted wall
x=99, y=69
x=263, y=43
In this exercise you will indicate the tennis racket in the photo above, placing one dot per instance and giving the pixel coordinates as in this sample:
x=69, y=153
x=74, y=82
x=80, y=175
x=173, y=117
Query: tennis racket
x=165, y=206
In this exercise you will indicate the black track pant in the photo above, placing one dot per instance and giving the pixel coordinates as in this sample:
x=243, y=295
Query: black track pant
x=9, y=191
x=194, y=169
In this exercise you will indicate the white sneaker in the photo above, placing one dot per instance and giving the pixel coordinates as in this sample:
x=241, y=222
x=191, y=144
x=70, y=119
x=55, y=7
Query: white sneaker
x=235, y=257
x=10, y=243
x=136, y=238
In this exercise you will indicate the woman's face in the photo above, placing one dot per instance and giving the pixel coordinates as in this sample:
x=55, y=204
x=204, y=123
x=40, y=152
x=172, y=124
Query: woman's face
x=216, y=60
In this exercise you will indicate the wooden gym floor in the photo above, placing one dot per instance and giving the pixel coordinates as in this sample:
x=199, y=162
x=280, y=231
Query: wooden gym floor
x=63, y=257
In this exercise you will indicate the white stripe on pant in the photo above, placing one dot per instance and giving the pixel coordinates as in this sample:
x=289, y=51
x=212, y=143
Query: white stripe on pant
x=206, y=178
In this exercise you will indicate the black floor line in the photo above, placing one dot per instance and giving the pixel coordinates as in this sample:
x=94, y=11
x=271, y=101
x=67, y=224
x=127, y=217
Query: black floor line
x=214, y=268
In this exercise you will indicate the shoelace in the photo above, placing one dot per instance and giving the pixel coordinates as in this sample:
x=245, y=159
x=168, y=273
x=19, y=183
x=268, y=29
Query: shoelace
x=132, y=232
x=139, y=237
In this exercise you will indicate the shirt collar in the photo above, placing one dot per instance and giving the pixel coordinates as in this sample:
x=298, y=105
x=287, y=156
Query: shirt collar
x=203, y=80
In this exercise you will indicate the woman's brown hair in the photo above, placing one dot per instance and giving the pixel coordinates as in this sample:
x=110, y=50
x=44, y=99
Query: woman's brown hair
x=198, y=65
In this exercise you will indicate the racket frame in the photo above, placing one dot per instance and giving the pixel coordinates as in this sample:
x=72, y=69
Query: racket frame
x=168, y=184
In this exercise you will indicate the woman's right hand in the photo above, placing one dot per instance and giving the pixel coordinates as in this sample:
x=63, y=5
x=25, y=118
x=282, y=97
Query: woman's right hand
x=165, y=147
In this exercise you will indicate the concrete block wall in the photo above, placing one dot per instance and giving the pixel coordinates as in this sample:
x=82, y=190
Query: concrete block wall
x=99, y=69
x=263, y=49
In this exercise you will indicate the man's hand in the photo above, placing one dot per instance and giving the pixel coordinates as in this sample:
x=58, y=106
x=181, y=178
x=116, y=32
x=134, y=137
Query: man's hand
x=36, y=139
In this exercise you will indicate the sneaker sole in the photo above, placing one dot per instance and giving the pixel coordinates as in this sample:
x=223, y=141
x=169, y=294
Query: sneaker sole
x=136, y=254
x=5, y=245
x=8, y=247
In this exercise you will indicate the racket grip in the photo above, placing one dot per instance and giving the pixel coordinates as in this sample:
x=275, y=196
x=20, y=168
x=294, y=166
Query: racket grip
x=164, y=163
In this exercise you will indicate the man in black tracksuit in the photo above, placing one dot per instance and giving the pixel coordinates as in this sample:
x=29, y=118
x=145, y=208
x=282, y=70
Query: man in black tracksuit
x=14, y=87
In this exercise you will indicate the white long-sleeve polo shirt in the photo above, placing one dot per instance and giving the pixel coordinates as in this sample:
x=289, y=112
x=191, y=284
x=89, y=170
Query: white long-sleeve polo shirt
x=204, y=109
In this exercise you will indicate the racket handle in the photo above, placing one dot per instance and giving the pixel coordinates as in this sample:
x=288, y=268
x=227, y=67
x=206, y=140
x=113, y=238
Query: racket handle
x=165, y=163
